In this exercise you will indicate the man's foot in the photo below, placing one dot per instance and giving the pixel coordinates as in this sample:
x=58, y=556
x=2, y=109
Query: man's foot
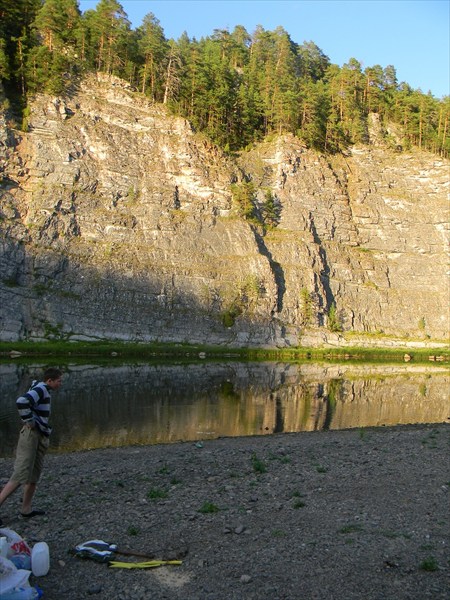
x=33, y=513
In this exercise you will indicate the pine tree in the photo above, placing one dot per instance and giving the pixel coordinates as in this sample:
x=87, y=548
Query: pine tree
x=347, y=108
x=285, y=94
x=259, y=78
x=182, y=102
x=211, y=95
x=108, y=31
x=239, y=53
x=374, y=87
x=225, y=82
x=153, y=48
x=271, y=210
x=313, y=63
x=335, y=137
x=315, y=111
x=55, y=57
x=172, y=74
x=443, y=131
x=16, y=40
x=4, y=63
x=244, y=198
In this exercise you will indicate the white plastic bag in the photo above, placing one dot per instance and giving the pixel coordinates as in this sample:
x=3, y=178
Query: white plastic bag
x=11, y=577
x=19, y=552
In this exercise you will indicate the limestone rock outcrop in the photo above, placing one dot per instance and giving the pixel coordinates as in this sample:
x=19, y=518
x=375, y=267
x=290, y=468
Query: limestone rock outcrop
x=117, y=221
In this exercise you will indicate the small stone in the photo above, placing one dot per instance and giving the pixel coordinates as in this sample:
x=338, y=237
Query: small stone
x=94, y=589
x=245, y=579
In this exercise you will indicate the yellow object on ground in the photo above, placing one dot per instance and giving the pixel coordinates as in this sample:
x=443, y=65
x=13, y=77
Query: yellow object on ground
x=143, y=565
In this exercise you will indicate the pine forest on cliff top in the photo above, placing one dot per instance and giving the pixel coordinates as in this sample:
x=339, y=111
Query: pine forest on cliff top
x=236, y=87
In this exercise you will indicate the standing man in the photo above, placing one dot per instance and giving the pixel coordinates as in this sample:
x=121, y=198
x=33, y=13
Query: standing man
x=34, y=410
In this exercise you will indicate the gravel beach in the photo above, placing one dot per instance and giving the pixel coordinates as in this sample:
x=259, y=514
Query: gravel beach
x=335, y=515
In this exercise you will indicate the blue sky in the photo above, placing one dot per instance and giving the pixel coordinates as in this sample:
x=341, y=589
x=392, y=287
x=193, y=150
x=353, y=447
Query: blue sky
x=412, y=35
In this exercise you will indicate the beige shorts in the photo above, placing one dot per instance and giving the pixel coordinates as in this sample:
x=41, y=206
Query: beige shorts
x=31, y=449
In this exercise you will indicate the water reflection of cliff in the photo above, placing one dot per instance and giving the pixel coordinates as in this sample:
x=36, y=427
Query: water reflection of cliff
x=142, y=404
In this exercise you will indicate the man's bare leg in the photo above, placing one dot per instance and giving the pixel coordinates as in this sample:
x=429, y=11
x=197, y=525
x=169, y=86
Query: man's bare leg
x=28, y=493
x=9, y=488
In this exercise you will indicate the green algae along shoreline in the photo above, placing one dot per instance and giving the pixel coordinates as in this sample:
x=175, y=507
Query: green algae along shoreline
x=52, y=350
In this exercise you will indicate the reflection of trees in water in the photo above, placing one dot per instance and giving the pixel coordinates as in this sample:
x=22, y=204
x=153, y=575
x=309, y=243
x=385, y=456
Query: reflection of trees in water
x=332, y=398
x=279, y=420
x=142, y=404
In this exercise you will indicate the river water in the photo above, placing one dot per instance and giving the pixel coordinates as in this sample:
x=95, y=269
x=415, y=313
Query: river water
x=100, y=406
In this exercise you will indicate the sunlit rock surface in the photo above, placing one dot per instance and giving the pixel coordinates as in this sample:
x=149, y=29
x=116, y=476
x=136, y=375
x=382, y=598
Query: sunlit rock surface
x=117, y=221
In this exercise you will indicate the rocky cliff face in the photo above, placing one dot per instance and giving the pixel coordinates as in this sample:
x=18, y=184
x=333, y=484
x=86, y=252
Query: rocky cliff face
x=117, y=221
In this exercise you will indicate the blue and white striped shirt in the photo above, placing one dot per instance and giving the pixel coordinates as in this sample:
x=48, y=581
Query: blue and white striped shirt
x=34, y=406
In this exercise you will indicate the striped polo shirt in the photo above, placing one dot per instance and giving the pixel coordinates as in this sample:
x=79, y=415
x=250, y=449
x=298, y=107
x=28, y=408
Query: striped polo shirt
x=35, y=406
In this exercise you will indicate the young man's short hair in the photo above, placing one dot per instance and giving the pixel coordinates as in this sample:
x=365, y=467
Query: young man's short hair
x=52, y=373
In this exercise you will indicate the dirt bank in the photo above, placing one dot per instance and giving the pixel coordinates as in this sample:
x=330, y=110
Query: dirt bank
x=325, y=515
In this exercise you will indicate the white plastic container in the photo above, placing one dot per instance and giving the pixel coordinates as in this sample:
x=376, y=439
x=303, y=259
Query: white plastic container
x=40, y=559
